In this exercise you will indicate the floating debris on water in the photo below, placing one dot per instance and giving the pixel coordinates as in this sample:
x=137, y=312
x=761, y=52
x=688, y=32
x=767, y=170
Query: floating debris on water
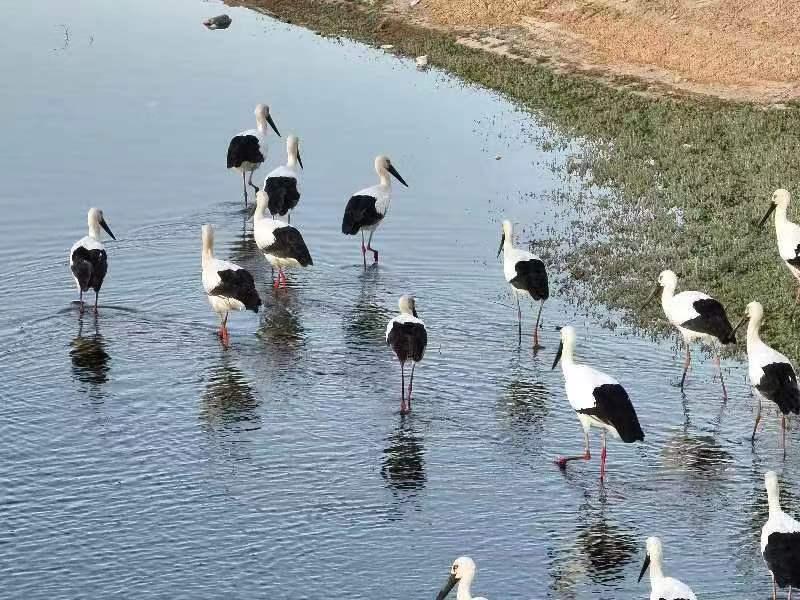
x=218, y=22
x=422, y=61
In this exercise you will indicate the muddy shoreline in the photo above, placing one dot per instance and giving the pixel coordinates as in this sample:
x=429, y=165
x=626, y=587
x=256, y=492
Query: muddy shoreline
x=669, y=182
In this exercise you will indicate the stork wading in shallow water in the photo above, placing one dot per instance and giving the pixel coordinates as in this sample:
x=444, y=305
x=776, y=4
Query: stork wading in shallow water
x=407, y=336
x=228, y=286
x=662, y=587
x=771, y=374
x=282, y=245
x=780, y=541
x=787, y=234
x=88, y=260
x=367, y=208
x=598, y=400
x=248, y=150
x=697, y=316
x=526, y=274
x=462, y=574
x=283, y=183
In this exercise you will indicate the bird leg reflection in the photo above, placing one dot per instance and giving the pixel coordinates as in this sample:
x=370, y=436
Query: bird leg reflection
x=718, y=362
x=758, y=420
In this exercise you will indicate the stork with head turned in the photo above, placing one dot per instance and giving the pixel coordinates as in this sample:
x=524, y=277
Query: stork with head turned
x=598, y=400
x=787, y=234
x=527, y=275
x=282, y=245
x=771, y=374
x=407, y=336
x=367, y=208
x=283, y=183
x=462, y=573
x=780, y=541
x=88, y=260
x=247, y=150
x=662, y=587
x=697, y=316
x=228, y=286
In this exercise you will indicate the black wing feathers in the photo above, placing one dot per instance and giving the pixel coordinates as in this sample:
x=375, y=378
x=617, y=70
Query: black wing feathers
x=779, y=384
x=289, y=243
x=359, y=212
x=239, y=285
x=89, y=268
x=711, y=320
x=613, y=406
x=532, y=277
x=795, y=262
x=408, y=340
x=282, y=193
x=244, y=148
x=783, y=557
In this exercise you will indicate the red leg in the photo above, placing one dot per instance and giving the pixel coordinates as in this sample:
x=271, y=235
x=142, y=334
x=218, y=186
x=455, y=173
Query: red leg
x=686, y=364
x=363, y=250
x=562, y=461
x=603, y=454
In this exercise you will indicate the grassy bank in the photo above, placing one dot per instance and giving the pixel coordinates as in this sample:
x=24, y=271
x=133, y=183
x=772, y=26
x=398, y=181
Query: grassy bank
x=717, y=162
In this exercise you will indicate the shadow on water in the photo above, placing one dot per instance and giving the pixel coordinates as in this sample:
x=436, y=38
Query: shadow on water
x=281, y=329
x=229, y=405
x=403, y=467
x=601, y=551
x=366, y=322
x=90, y=361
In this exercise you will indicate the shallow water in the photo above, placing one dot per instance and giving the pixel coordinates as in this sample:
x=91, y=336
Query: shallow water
x=141, y=459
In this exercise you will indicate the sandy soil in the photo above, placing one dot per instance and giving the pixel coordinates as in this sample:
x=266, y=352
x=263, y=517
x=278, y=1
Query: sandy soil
x=734, y=49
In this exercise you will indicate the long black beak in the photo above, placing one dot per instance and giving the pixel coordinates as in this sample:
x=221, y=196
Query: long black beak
x=766, y=216
x=272, y=124
x=645, y=566
x=394, y=172
x=104, y=225
x=651, y=296
x=739, y=324
x=300, y=160
x=449, y=585
x=558, y=355
x=502, y=241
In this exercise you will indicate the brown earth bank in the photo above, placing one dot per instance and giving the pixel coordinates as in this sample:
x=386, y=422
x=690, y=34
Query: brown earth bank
x=746, y=50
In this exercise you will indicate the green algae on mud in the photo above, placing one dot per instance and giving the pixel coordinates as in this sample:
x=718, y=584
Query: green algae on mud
x=674, y=183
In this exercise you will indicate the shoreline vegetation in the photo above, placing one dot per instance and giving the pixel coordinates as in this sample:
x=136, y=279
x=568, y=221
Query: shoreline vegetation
x=668, y=182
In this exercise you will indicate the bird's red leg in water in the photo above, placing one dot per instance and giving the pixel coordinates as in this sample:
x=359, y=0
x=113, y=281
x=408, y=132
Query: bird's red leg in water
x=562, y=461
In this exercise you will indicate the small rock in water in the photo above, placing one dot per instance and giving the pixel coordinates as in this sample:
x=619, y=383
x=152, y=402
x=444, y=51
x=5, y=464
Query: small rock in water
x=218, y=22
x=422, y=61
x=498, y=157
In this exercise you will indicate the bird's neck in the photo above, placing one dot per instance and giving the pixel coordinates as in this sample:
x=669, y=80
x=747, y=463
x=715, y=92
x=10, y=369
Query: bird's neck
x=261, y=128
x=567, y=356
x=208, y=255
x=666, y=295
x=753, y=327
x=774, y=500
x=384, y=179
x=463, y=590
x=780, y=216
x=291, y=160
x=656, y=573
x=94, y=231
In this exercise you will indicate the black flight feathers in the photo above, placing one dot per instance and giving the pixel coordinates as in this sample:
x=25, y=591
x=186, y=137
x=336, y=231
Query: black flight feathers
x=614, y=407
x=359, y=212
x=238, y=285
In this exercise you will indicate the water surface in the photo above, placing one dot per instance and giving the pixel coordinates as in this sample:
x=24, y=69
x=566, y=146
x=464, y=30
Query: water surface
x=141, y=459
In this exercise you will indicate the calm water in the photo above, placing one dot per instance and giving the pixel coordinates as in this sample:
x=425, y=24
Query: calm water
x=141, y=460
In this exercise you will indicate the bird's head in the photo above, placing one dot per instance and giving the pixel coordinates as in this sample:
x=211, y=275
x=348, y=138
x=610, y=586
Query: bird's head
x=462, y=569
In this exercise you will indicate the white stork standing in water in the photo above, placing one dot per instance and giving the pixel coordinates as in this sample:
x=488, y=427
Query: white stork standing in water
x=462, y=573
x=283, y=184
x=407, y=336
x=248, y=150
x=787, y=233
x=598, y=400
x=88, y=261
x=228, y=286
x=282, y=245
x=697, y=316
x=662, y=587
x=527, y=275
x=771, y=373
x=780, y=541
x=367, y=208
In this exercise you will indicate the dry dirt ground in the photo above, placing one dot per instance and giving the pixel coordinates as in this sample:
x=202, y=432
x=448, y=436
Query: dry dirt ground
x=734, y=49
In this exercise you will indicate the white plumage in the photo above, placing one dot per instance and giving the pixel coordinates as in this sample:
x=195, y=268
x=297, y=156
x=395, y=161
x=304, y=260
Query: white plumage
x=787, y=234
x=367, y=208
x=662, y=587
x=88, y=261
x=462, y=573
x=228, y=286
x=282, y=184
x=780, y=540
x=282, y=245
x=247, y=150
x=407, y=336
x=526, y=274
x=598, y=401
x=697, y=316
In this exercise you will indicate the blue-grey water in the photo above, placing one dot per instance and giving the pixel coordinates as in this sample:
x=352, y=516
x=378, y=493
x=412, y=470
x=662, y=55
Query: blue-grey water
x=140, y=459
